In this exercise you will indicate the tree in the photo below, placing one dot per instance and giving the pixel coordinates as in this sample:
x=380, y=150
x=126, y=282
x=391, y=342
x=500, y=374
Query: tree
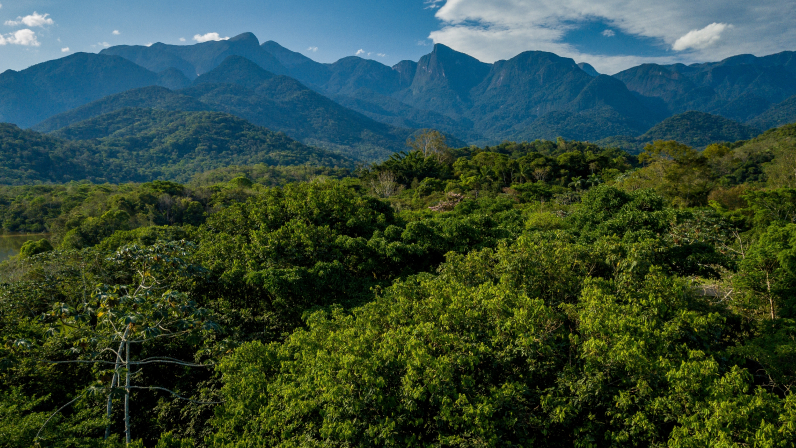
x=31, y=248
x=106, y=328
x=384, y=184
x=436, y=361
x=430, y=143
x=767, y=274
x=677, y=171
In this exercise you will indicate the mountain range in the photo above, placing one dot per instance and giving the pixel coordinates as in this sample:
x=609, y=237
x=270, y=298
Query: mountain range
x=366, y=110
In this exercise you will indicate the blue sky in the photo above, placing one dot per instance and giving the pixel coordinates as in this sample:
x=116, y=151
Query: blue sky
x=609, y=34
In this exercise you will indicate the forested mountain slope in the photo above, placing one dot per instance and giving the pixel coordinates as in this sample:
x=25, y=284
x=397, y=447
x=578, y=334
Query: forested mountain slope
x=277, y=102
x=778, y=115
x=697, y=129
x=152, y=97
x=741, y=87
x=146, y=144
x=43, y=90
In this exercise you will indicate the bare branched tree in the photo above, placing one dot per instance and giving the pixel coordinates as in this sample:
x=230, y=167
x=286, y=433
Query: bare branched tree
x=384, y=185
x=540, y=174
x=430, y=143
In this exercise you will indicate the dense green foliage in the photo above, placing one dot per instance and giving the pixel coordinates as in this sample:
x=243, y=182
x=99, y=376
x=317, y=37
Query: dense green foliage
x=57, y=209
x=526, y=294
x=778, y=115
x=587, y=125
x=138, y=145
x=695, y=129
x=720, y=173
x=152, y=97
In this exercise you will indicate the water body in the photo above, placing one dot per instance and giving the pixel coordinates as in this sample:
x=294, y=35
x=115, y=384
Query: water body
x=11, y=244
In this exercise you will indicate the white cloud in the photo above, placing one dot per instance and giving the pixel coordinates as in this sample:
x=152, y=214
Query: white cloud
x=32, y=20
x=313, y=49
x=24, y=37
x=609, y=33
x=500, y=29
x=182, y=39
x=432, y=4
x=103, y=44
x=209, y=37
x=699, y=39
x=149, y=44
x=65, y=50
x=362, y=53
x=1, y=6
x=116, y=32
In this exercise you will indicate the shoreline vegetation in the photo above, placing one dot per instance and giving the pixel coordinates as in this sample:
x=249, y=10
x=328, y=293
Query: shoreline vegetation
x=11, y=243
x=545, y=293
x=24, y=234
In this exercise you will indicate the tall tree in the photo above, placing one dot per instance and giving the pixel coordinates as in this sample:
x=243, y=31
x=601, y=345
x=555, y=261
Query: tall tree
x=429, y=142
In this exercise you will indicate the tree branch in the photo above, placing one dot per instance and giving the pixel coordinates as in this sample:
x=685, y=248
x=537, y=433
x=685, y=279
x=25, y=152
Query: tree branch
x=77, y=361
x=176, y=395
x=168, y=360
x=53, y=415
x=169, y=335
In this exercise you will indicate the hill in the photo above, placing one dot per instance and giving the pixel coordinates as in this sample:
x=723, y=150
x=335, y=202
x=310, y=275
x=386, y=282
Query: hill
x=778, y=115
x=699, y=129
x=781, y=139
x=585, y=126
x=236, y=70
x=152, y=97
x=696, y=129
x=28, y=157
x=145, y=144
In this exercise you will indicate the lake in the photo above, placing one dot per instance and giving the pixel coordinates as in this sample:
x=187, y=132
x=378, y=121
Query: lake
x=11, y=244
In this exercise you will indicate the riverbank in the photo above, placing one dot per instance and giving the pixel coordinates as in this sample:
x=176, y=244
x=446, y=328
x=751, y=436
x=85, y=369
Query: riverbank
x=11, y=243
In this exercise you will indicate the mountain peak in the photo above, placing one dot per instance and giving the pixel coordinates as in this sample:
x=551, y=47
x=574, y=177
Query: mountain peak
x=298, y=65
x=246, y=37
x=236, y=70
x=460, y=71
x=444, y=51
x=586, y=67
x=407, y=71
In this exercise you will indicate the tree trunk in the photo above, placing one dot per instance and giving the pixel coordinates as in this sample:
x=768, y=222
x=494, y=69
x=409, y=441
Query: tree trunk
x=114, y=381
x=127, y=395
x=770, y=297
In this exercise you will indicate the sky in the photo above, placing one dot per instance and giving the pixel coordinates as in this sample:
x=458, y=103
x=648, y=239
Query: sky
x=611, y=35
